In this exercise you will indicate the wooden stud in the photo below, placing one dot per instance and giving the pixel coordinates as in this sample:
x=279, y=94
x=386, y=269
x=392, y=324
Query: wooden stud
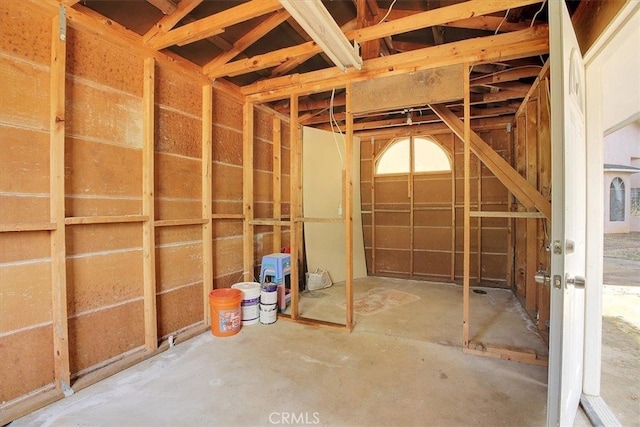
x=496, y=214
x=179, y=222
x=295, y=201
x=510, y=222
x=57, y=202
x=479, y=222
x=410, y=179
x=373, y=206
x=348, y=210
x=148, y=207
x=34, y=226
x=531, y=111
x=207, y=226
x=277, y=182
x=247, y=190
x=454, y=166
x=466, y=258
x=112, y=219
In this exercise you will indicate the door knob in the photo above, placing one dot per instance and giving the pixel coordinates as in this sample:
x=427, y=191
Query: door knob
x=577, y=281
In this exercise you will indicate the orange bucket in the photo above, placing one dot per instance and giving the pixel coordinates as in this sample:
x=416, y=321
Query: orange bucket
x=226, y=317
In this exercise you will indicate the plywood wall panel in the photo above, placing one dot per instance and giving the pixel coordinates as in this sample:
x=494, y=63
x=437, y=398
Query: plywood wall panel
x=178, y=133
x=494, y=267
x=91, y=238
x=102, y=169
x=26, y=358
x=174, y=90
x=91, y=58
x=392, y=192
x=227, y=111
x=263, y=125
x=392, y=218
x=262, y=155
x=229, y=228
x=493, y=190
x=102, y=279
x=24, y=160
x=179, y=308
x=178, y=264
x=99, y=336
x=24, y=209
x=227, y=256
x=432, y=238
x=392, y=237
x=187, y=233
x=227, y=145
x=83, y=205
x=20, y=246
x=228, y=207
x=25, y=94
x=25, y=294
x=262, y=185
x=98, y=113
x=177, y=177
x=25, y=34
x=432, y=263
x=227, y=183
x=389, y=260
x=436, y=218
x=494, y=240
x=434, y=191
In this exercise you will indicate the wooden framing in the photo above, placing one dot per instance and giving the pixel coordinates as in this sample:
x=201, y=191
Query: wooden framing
x=295, y=159
x=466, y=260
x=348, y=210
x=148, y=207
x=57, y=116
x=277, y=183
x=247, y=190
x=207, y=226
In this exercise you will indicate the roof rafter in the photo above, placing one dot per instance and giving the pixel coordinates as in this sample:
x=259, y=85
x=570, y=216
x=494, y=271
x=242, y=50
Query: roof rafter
x=247, y=40
x=214, y=24
x=517, y=44
x=169, y=21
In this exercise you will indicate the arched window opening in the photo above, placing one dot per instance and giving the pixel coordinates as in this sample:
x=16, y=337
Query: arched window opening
x=616, y=200
x=428, y=156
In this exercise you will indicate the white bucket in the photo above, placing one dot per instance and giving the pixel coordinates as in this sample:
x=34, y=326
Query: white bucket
x=250, y=301
x=268, y=313
x=269, y=293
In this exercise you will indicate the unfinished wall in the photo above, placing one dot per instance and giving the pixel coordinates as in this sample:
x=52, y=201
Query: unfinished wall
x=532, y=159
x=106, y=225
x=413, y=222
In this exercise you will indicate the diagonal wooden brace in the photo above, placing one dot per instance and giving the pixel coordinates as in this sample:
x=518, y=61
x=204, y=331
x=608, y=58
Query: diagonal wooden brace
x=526, y=193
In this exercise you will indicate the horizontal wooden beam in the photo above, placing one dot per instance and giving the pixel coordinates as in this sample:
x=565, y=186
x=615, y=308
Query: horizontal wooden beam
x=166, y=6
x=214, y=24
x=440, y=128
x=78, y=220
x=169, y=21
x=493, y=214
x=526, y=193
x=179, y=222
x=518, y=44
x=32, y=226
x=227, y=216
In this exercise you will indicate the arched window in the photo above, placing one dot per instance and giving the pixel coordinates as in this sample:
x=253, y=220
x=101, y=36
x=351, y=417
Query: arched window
x=428, y=156
x=616, y=200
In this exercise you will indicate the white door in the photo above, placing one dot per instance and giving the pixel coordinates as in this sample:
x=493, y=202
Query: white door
x=568, y=222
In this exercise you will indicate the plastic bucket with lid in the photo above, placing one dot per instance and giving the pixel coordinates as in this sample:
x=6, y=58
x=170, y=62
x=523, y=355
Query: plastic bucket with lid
x=250, y=301
x=226, y=317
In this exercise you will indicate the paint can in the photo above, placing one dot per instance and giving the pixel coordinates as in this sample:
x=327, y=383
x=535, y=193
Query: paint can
x=268, y=293
x=225, y=311
x=250, y=301
x=268, y=313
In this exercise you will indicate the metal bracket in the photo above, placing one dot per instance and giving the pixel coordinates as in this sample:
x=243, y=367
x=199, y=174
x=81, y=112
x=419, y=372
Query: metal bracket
x=557, y=281
x=62, y=23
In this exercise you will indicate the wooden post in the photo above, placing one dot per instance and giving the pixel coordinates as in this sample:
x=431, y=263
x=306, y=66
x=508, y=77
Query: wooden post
x=373, y=206
x=531, y=301
x=348, y=210
x=467, y=209
x=277, y=183
x=57, y=116
x=247, y=191
x=295, y=200
x=479, y=225
x=148, y=208
x=453, y=207
x=207, y=227
x=411, y=178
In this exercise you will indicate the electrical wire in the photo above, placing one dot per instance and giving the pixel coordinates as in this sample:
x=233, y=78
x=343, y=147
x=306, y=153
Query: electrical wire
x=536, y=15
x=333, y=120
x=388, y=12
x=502, y=22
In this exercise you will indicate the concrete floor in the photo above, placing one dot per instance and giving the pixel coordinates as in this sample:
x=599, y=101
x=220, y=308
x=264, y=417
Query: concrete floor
x=400, y=366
